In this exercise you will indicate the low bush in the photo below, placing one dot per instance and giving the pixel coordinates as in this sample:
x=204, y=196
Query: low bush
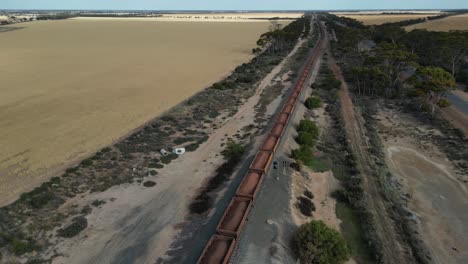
x=20, y=247
x=192, y=147
x=233, y=150
x=330, y=82
x=305, y=205
x=302, y=154
x=149, y=183
x=305, y=139
x=316, y=243
x=308, y=194
x=97, y=203
x=78, y=224
x=313, y=102
x=168, y=158
x=309, y=127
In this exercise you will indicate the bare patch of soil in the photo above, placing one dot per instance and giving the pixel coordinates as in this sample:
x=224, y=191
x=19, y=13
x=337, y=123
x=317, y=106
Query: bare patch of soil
x=436, y=192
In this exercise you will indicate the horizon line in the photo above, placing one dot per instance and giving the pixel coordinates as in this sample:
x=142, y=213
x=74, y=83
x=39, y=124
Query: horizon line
x=235, y=10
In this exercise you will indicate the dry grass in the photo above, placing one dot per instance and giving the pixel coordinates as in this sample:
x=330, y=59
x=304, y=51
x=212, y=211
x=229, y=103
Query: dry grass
x=378, y=19
x=71, y=87
x=459, y=22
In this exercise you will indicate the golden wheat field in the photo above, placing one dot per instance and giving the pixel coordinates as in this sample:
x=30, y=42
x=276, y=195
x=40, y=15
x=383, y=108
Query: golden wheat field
x=73, y=86
x=459, y=22
x=378, y=19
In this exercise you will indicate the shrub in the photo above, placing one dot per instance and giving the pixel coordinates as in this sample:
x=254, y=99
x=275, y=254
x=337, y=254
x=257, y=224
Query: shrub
x=149, y=183
x=168, y=158
x=78, y=224
x=309, y=127
x=40, y=200
x=192, y=147
x=313, y=102
x=303, y=154
x=87, y=162
x=330, y=82
x=305, y=205
x=305, y=139
x=19, y=247
x=295, y=166
x=315, y=242
x=233, y=150
x=443, y=103
x=97, y=203
x=308, y=194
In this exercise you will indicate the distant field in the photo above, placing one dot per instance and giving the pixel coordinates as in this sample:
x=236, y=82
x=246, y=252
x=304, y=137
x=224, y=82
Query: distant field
x=459, y=22
x=378, y=19
x=71, y=87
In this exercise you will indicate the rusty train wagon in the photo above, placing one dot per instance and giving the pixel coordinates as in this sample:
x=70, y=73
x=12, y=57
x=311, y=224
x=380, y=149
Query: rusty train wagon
x=218, y=250
x=250, y=185
x=221, y=245
x=235, y=216
x=261, y=161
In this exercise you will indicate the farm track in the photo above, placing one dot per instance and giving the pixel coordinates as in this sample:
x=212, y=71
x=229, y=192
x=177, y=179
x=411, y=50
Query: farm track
x=387, y=233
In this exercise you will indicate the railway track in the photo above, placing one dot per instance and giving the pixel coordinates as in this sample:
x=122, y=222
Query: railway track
x=221, y=245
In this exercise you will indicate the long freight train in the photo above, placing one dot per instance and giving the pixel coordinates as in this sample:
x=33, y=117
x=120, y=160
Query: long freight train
x=221, y=245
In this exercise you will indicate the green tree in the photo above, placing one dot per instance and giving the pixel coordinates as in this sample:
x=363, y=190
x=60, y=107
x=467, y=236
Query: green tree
x=233, y=150
x=302, y=155
x=430, y=84
x=313, y=102
x=305, y=138
x=309, y=127
x=316, y=243
x=394, y=60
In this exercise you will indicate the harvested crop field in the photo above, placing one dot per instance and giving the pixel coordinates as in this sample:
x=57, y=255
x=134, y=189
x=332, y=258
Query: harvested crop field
x=378, y=19
x=73, y=86
x=459, y=22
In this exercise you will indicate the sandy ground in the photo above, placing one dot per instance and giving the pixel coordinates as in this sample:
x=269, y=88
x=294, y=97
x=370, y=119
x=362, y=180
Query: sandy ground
x=143, y=222
x=459, y=22
x=321, y=185
x=461, y=94
x=374, y=19
x=436, y=196
x=72, y=87
x=457, y=118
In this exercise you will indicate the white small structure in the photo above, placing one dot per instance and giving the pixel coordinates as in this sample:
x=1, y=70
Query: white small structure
x=164, y=152
x=179, y=151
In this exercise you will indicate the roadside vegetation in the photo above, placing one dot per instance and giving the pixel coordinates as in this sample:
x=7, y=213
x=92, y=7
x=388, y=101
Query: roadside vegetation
x=307, y=135
x=351, y=205
x=317, y=243
x=413, y=70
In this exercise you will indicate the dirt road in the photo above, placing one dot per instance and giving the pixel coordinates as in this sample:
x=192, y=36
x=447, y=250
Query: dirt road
x=393, y=248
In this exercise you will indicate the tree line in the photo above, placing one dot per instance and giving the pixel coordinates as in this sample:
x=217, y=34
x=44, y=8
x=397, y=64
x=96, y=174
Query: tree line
x=388, y=61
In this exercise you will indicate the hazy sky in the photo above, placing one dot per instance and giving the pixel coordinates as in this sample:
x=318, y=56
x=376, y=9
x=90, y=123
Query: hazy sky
x=232, y=4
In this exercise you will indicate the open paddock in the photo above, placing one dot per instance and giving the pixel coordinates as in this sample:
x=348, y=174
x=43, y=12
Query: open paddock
x=459, y=22
x=71, y=87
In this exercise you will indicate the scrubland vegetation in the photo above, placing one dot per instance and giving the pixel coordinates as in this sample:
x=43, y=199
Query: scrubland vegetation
x=417, y=67
x=27, y=224
x=413, y=70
